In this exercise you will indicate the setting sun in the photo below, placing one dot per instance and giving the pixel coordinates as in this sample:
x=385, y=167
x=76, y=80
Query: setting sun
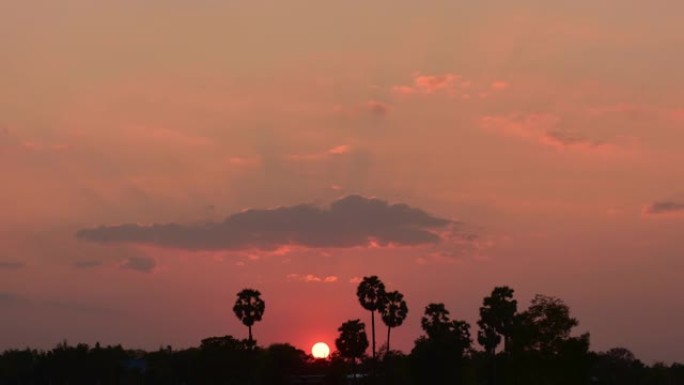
x=320, y=350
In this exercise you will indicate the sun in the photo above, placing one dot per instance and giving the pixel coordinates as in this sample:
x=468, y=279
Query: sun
x=320, y=350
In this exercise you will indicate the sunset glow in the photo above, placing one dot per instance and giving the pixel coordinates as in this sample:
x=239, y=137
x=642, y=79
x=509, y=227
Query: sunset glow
x=320, y=350
x=157, y=157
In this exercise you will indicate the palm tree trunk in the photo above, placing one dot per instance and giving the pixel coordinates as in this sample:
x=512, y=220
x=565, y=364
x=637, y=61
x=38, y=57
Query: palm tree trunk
x=251, y=345
x=373, y=327
x=388, y=339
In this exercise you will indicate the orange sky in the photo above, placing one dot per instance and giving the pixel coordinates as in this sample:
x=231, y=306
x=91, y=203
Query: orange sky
x=549, y=137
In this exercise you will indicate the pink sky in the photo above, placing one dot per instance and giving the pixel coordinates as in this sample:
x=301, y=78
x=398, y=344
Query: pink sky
x=549, y=137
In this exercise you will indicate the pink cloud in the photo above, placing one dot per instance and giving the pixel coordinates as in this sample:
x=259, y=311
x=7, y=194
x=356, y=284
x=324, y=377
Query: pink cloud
x=500, y=85
x=339, y=150
x=432, y=83
x=428, y=84
x=42, y=146
x=543, y=128
x=677, y=114
x=310, y=278
x=403, y=90
x=241, y=161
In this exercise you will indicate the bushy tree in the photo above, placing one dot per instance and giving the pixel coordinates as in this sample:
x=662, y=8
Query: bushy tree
x=439, y=356
x=353, y=341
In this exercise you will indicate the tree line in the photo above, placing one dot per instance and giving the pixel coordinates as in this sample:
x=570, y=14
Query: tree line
x=534, y=346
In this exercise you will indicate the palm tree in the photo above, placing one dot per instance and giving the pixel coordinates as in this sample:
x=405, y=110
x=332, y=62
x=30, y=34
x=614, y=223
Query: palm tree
x=249, y=308
x=393, y=312
x=352, y=341
x=371, y=293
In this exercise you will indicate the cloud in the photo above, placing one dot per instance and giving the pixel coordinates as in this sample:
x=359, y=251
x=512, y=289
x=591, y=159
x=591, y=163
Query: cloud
x=339, y=150
x=353, y=221
x=377, y=108
x=432, y=83
x=310, y=278
x=428, y=84
x=10, y=299
x=87, y=264
x=545, y=129
x=141, y=264
x=500, y=85
x=665, y=207
x=13, y=300
x=11, y=265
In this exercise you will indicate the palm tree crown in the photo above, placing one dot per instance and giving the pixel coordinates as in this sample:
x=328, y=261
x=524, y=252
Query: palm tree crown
x=393, y=312
x=394, y=309
x=371, y=293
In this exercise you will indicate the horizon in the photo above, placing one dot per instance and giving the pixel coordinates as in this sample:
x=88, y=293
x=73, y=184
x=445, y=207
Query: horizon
x=157, y=158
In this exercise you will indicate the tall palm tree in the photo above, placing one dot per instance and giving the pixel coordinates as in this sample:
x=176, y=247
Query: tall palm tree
x=393, y=312
x=371, y=293
x=249, y=308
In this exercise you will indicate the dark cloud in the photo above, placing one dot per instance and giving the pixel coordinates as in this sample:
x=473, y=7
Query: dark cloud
x=7, y=297
x=348, y=222
x=11, y=300
x=141, y=264
x=11, y=265
x=377, y=108
x=570, y=138
x=87, y=264
x=665, y=207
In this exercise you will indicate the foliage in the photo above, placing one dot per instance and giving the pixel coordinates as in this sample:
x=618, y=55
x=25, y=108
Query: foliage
x=544, y=350
x=497, y=318
x=249, y=307
x=352, y=342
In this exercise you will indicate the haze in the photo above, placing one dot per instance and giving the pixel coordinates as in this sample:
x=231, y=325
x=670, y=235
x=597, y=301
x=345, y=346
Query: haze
x=444, y=146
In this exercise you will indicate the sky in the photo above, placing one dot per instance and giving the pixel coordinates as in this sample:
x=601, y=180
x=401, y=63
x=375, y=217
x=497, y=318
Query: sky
x=157, y=157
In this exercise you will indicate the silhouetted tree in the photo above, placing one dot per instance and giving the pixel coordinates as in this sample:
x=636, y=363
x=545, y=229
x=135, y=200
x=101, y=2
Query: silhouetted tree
x=435, y=321
x=352, y=341
x=393, y=312
x=249, y=308
x=371, y=294
x=488, y=338
x=279, y=362
x=497, y=317
x=545, y=325
x=439, y=357
x=543, y=350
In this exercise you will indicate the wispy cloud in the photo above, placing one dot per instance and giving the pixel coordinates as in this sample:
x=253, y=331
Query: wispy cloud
x=665, y=207
x=11, y=265
x=86, y=264
x=141, y=264
x=310, y=278
x=428, y=84
x=543, y=128
x=377, y=108
x=353, y=221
